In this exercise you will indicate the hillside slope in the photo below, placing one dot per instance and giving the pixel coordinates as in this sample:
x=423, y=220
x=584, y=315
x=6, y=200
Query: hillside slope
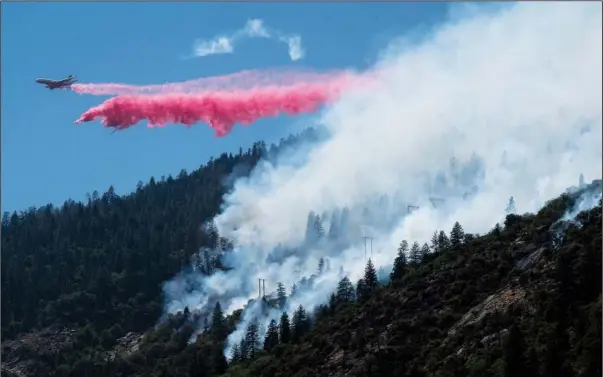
x=514, y=302
x=81, y=293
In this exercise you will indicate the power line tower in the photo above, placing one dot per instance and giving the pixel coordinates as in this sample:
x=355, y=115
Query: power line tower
x=435, y=202
x=409, y=209
x=261, y=288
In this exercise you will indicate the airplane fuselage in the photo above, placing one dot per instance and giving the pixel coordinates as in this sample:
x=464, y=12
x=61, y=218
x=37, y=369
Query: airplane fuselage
x=57, y=84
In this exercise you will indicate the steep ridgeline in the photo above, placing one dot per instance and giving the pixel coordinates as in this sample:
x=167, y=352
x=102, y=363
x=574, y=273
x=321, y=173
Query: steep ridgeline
x=522, y=300
x=97, y=267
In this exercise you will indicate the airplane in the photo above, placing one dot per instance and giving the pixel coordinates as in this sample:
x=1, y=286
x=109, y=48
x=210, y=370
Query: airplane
x=58, y=84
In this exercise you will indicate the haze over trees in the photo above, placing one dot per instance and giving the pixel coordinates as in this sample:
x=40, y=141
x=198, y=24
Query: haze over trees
x=81, y=282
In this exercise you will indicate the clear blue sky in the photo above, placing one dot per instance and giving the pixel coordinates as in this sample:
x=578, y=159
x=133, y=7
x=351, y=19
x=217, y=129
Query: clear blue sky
x=47, y=159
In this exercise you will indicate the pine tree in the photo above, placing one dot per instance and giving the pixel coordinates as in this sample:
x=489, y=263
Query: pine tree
x=415, y=253
x=345, y=290
x=321, y=265
x=300, y=324
x=443, y=241
x=334, y=227
x=457, y=235
x=284, y=329
x=218, y=327
x=319, y=229
x=310, y=235
x=370, y=277
x=252, y=340
x=281, y=294
x=400, y=263
x=244, y=349
x=219, y=362
x=235, y=354
x=271, y=338
x=424, y=252
x=434, y=243
x=361, y=291
x=510, y=210
x=293, y=290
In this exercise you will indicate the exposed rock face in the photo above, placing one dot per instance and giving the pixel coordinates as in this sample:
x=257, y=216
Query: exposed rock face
x=125, y=346
x=497, y=302
x=30, y=354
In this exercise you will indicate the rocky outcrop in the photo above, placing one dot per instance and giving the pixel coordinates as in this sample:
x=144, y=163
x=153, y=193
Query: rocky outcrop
x=32, y=353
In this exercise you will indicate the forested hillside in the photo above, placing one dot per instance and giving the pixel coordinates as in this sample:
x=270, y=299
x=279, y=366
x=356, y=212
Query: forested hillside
x=81, y=295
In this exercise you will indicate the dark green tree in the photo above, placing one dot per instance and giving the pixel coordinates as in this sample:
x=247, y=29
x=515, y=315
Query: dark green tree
x=300, y=324
x=370, y=277
x=271, y=338
x=284, y=329
x=345, y=290
x=415, y=253
x=281, y=294
x=400, y=263
x=457, y=235
x=252, y=341
x=321, y=265
x=217, y=322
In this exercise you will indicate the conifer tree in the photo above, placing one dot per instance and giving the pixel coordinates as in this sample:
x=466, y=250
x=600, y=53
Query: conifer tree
x=300, y=324
x=443, y=241
x=235, y=354
x=218, y=327
x=510, y=210
x=321, y=265
x=415, y=253
x=345, y=290
x=284, y=329
x=271, y=338
x=252, y=340
x=457, y=235
x=243, y=349
x=219, y=363
x=435, y=247
x=361, y=290
x=424, y=252
x=400, y=263
x=370, y=277
x=281, y=294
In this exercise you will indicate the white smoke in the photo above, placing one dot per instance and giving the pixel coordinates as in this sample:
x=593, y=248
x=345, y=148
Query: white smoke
x=517, y=91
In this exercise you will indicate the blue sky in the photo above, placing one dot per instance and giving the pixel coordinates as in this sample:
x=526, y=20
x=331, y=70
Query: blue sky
x=47, y=159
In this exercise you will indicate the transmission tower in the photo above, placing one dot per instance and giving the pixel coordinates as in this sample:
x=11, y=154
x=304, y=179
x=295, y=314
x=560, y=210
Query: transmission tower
x=409, y=209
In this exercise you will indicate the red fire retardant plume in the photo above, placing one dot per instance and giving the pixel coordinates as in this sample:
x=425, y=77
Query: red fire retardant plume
x=220, y=107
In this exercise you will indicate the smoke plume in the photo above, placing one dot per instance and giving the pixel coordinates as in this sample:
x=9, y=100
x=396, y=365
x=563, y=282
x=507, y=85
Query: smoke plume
x=487, y=106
